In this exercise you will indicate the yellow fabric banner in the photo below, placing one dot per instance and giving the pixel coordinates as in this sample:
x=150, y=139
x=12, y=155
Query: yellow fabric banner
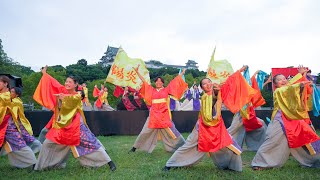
x=218, y=71
x=122, y=73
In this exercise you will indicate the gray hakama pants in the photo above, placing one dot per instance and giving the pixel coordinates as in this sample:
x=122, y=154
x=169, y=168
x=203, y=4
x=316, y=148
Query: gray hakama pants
x=86, y=107
x=35, y=146
x=253, y=139
x=148, y=138
x=42, y=135
x=53, y=155
x=19, y=154
x=22, y=158
x=188, y=155
x=275, y=151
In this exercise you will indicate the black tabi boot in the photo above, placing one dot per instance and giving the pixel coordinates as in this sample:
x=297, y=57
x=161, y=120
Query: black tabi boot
x=133, y=149
x=112, y=166
x=166, y=168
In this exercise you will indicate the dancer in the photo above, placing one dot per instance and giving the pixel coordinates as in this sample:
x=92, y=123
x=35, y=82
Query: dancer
x=86, y=103
x=24, y=124
x=125, y=99
x=138, y=101
x=174, y=104
x=19, y=154
x=159, y=124
x=210, y=134
x=101, y=103
x=131, y=99
x=192, y=101
x=68, y=130
x=246, y=127
x=290, y=130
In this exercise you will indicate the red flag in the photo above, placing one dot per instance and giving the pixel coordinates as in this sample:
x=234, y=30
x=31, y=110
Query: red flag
x=118, y=91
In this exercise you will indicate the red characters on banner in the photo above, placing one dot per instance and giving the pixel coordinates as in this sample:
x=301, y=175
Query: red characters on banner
x=212, y=74
x=224, y=74
x=117, y=71
x=131, y=76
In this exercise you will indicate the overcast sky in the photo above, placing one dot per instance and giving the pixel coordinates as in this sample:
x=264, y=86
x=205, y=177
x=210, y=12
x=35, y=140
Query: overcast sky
x=261, y=34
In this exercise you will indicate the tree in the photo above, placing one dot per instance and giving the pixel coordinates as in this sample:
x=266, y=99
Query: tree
x=82, y=62
x=268, y=97
x=6, y=64
x=3, y=55
x=30, y=83
x=87, y=73
x=9, y=66
x=58, y=68
x=167, y=78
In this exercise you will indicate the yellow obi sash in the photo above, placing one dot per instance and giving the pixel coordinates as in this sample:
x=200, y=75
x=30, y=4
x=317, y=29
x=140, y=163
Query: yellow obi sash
x=157, y=101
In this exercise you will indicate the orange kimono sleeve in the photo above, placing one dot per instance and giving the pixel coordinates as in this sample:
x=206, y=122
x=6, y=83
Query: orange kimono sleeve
x=95, y=92
x=47, y=87
x=177, y=87
x=236, y=92
x=257, y=100
x=146, y=92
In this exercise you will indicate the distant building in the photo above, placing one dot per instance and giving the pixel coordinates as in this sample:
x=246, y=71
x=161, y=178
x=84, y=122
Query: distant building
x=191, y=64
x=109, y=56
x=154, y=64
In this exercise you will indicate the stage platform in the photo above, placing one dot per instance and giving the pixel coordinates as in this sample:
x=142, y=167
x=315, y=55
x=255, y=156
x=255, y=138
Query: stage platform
x=131, y=122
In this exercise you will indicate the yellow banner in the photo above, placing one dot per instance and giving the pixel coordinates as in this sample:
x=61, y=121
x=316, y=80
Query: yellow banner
x=122, y=73
x=218, y=71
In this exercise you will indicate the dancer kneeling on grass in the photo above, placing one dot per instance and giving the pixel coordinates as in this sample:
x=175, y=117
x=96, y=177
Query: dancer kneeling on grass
x=68, y=129
x=159, y=123
x=210, y=134
x=19, y=154
x=290, y=131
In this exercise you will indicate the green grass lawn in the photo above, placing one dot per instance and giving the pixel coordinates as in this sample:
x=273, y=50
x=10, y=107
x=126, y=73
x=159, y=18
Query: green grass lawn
x=141, y=165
